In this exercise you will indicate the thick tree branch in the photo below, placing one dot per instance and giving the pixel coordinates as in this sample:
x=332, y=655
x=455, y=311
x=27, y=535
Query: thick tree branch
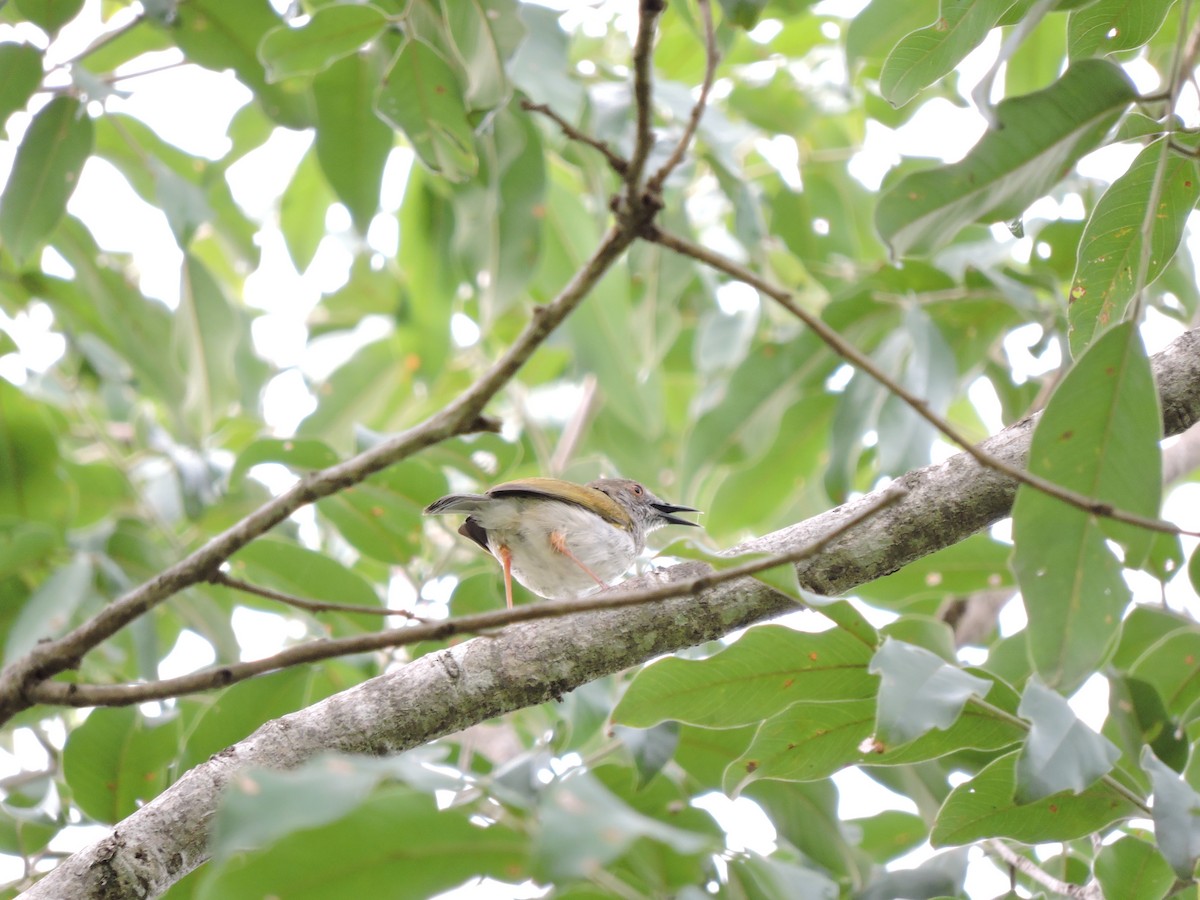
x=444, y=692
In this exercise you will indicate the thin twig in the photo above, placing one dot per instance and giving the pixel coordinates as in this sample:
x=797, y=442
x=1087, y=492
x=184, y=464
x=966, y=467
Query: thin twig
x=237, y=584
x=643, y=96
x=165, y=67
x=711, y=58
x=74, y=694
x=859, y=360
x=616, y=162
x=1041, y=876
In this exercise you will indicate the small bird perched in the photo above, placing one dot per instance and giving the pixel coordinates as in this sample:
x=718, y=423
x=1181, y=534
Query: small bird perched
x=561, y=540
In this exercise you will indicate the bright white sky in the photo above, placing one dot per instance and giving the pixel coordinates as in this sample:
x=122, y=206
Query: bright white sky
x=191, y=107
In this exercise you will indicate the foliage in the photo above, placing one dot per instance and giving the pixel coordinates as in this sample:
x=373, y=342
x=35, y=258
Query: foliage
x=430, y=211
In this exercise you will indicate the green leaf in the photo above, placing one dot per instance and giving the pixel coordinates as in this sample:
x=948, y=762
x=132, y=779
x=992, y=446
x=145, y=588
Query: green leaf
x=805, y=742
x=127, y=44
x=302, y=210
x=924, y=56
x=22, y=68
x=183, y=203
x=44, y=174
x=873, y=33
x=381, y=517
x=918, y=357
x=208, y=333
x=216, y=721
x=1036, y=138
x=1141, y=629
x=359, y=852
x=764, y=877
x=651, y=748
x=362, y=392
x=225, y=34
x=918, y=691
x=1061, y=753
x=809, y=741
x=302, y=572
x=1137, y=717
x=1040, y=58
x=582, y=826
x=352, y=144
x=889, y=834
x=1131, y=867
x=766, y=670
x=321, y=791
x=301, y=454
x=806, y=816
x=1098, y=437
x=420, y=96
x=479, y=53
x=332, y=32
x=939, y=877
x=1171, y=666
x=1110, y=253
x=117, y=760
x=30, y=481
x=975, y=564
x=1176, y=808
x=50, y=15
x=425, y=222
x=1110, y=26
x=50, y=610
x=743, y=13
x=984, y=807
x=499, y=214
x=25, y=544
x=705, y=753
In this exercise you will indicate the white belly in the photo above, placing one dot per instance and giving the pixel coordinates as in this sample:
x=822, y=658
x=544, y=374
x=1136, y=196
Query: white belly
x=605, y=549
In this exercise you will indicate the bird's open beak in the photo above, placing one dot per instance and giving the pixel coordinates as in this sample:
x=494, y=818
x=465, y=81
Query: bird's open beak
x=665, y=510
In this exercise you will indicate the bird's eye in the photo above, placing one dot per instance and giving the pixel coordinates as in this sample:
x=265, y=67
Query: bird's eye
x=637, y=490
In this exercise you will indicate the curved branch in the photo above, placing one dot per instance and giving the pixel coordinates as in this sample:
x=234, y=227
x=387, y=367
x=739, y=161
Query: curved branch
x=1015, y=470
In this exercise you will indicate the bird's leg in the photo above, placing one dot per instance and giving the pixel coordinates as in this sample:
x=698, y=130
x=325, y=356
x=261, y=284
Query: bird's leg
x=506, y=561
x=559, y=543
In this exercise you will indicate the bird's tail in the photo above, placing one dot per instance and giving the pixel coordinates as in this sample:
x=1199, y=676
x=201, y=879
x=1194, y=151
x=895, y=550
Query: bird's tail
x=456, y=503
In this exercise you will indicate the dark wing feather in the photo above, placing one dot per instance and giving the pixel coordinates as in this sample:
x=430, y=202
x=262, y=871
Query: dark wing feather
x=476, y=532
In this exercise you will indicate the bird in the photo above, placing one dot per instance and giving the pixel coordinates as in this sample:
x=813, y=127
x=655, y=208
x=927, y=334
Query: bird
x=560, y=539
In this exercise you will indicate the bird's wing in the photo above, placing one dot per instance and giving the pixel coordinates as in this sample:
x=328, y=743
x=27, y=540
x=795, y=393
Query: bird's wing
x=566, y=492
